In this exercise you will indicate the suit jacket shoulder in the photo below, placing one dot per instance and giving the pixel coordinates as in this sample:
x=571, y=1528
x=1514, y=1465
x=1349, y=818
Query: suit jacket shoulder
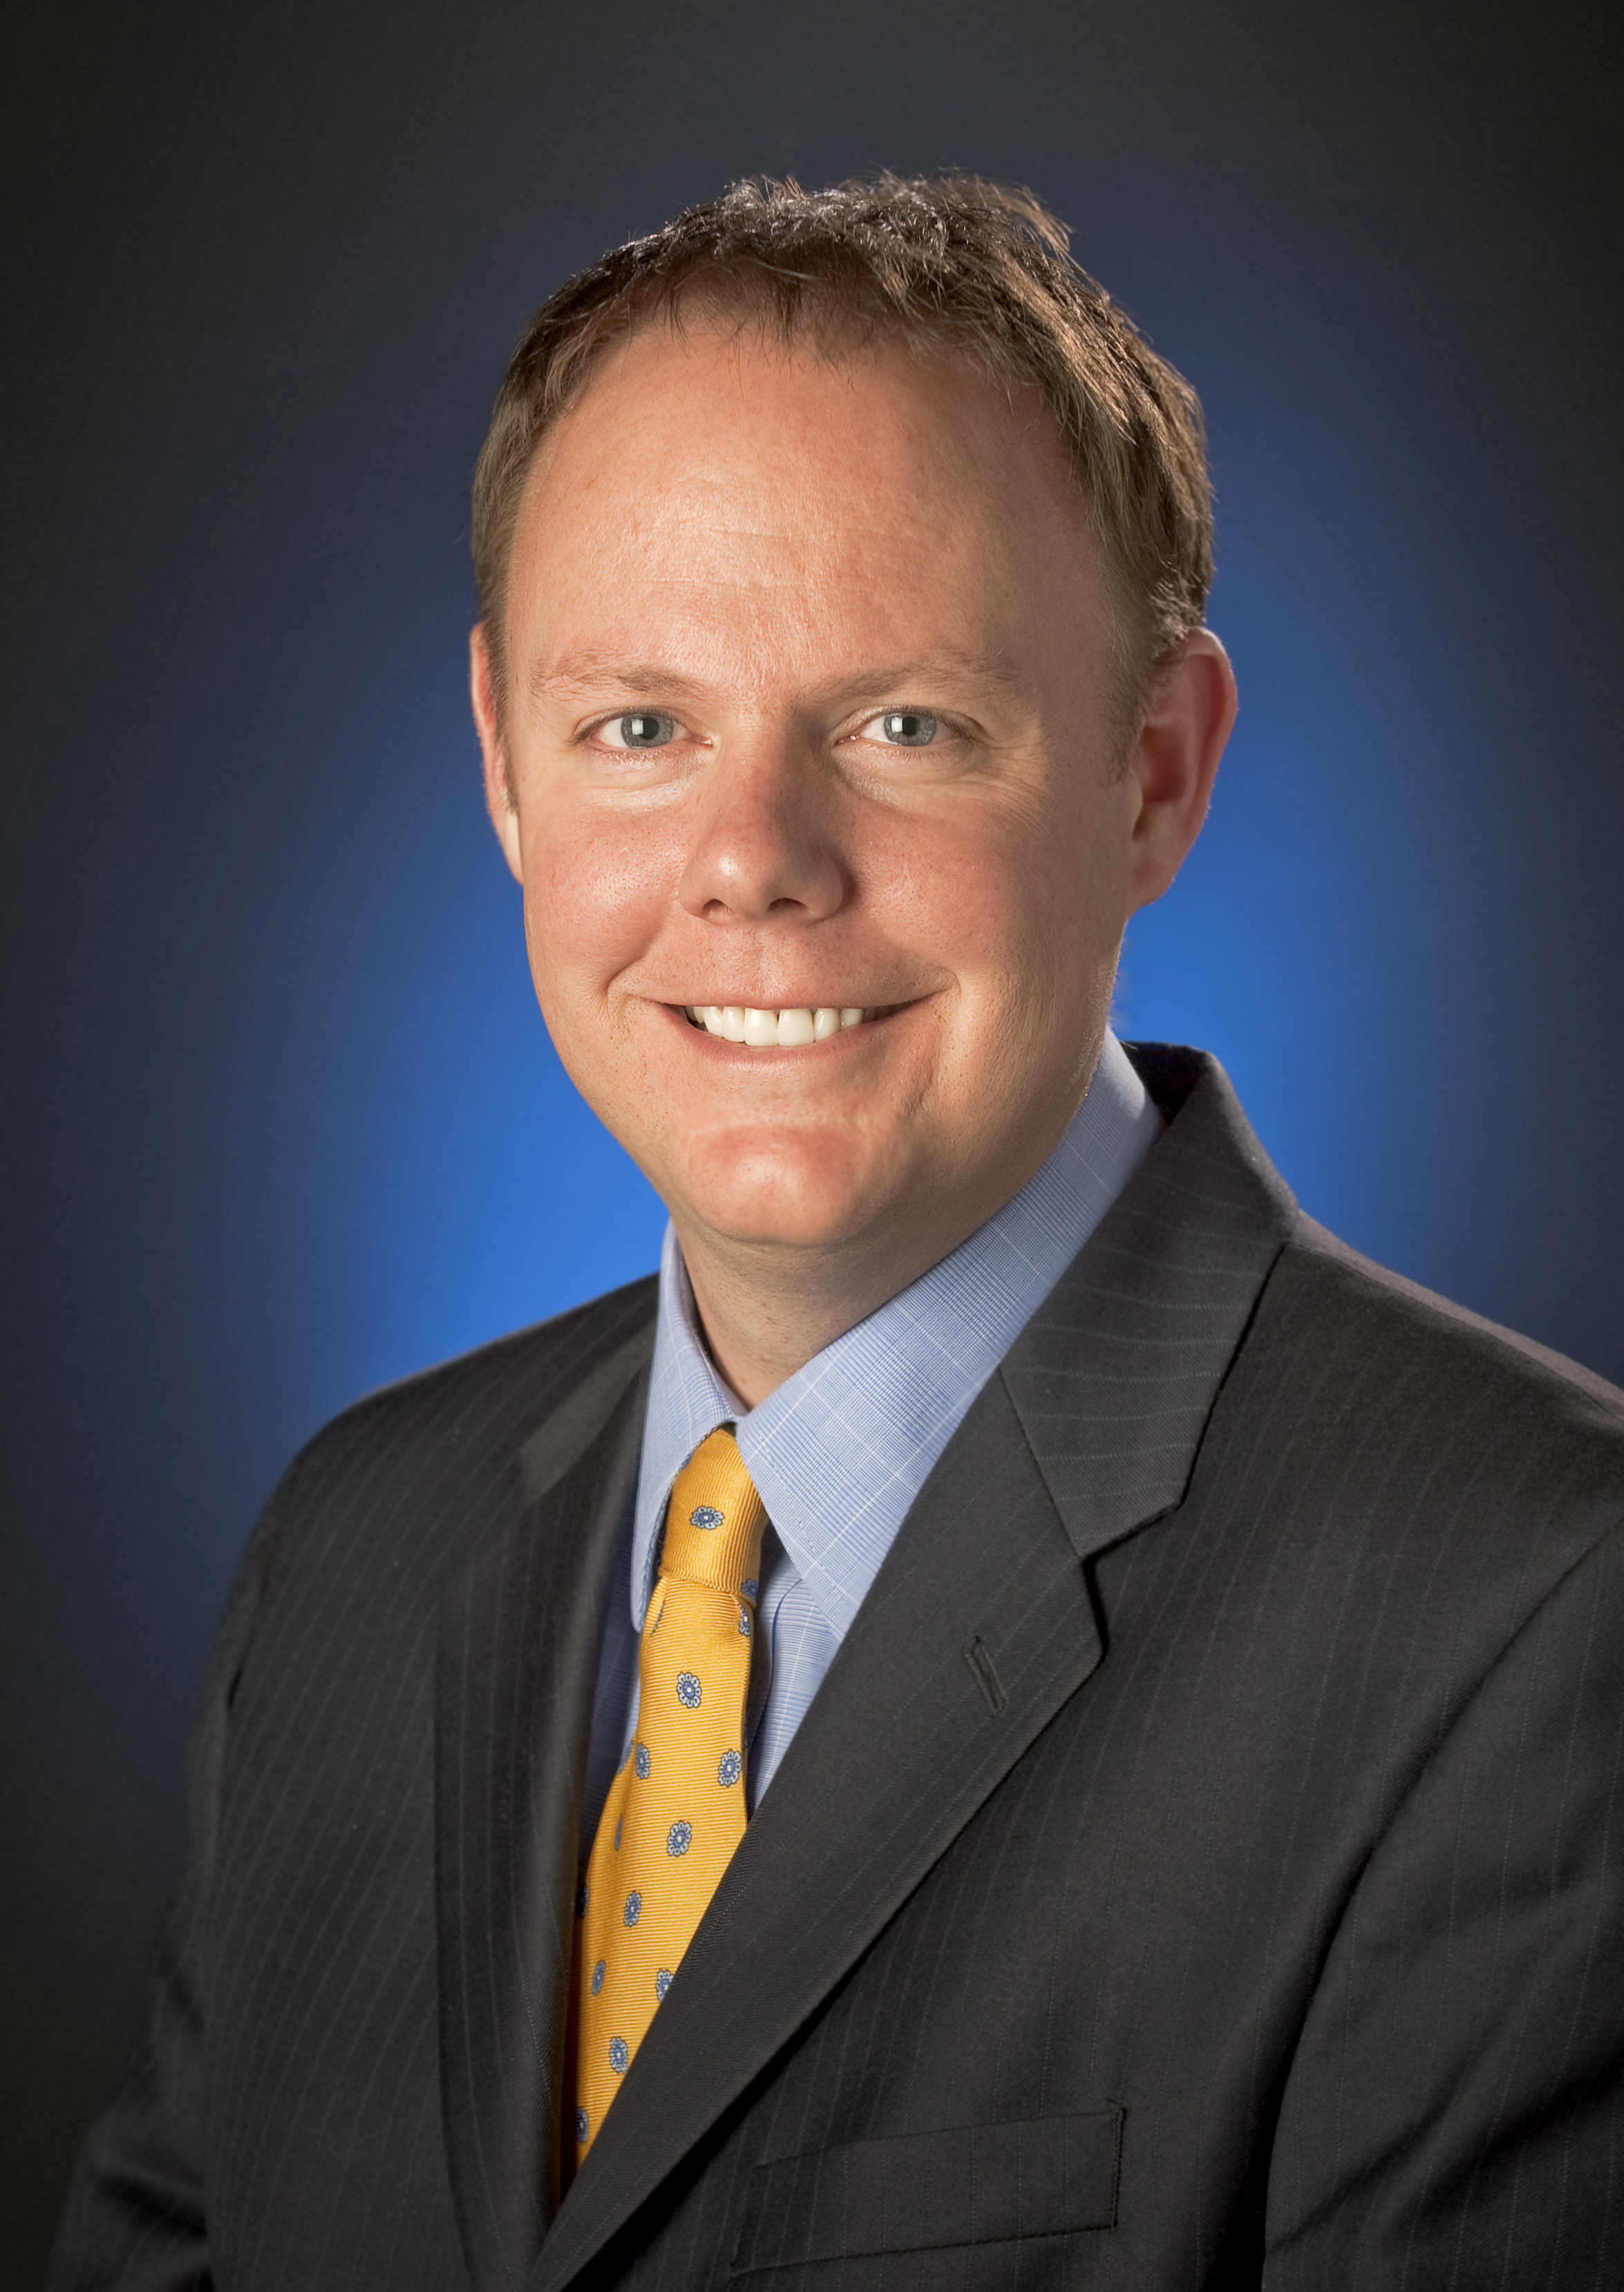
x=1421, y=1409
x=1391, y=1300
x=417, y=1458
x=1451, y=1420
x=484, y=1399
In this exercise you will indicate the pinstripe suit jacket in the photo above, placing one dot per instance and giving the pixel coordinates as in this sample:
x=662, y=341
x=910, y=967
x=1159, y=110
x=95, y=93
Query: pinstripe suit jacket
x=1201, y=1868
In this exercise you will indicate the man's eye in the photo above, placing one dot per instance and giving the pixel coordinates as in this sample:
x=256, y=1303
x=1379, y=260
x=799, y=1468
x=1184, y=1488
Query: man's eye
x=642, y=728
x=903, y=728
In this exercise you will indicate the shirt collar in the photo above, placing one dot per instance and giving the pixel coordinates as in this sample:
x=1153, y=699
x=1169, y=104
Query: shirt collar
x=840, y=1450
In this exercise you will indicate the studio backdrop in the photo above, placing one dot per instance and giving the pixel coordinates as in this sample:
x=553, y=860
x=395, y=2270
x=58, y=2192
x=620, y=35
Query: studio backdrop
x=281, y=1121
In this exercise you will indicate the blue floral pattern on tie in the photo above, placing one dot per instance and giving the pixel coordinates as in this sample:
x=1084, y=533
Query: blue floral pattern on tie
x=619, y=2054
x=706, y=1516
x=597, y=1977
x=679, y=1838
x=662, y=1982
x=688, y=1690
x=642, y=1762
x=634, y=1907
x=729, y=1769
x=583, y=2125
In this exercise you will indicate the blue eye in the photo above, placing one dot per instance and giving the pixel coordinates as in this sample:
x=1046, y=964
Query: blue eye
x=644, y=728
x=908, y=728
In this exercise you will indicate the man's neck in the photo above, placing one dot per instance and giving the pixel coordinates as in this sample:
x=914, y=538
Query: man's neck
x=762, y=1322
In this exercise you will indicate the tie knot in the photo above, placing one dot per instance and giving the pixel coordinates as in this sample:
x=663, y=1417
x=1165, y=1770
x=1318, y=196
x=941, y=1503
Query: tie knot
x=714, y=1519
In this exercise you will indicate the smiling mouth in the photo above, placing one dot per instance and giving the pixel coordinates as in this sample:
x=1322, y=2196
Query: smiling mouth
x=782, y=1029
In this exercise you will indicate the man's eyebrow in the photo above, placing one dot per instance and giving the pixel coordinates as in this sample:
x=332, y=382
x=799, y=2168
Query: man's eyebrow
x=585, y=675
x=895, y=680
x=588, y=676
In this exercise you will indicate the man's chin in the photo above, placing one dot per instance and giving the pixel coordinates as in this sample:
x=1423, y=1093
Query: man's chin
x=776, y=1229
x=788, y=1212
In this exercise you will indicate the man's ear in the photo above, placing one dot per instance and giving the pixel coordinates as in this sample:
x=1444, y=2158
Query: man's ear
x=1174, y=759
x=498, y=780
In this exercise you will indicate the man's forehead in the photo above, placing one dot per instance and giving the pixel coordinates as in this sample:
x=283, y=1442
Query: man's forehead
x=798, y=534
x=714, y=407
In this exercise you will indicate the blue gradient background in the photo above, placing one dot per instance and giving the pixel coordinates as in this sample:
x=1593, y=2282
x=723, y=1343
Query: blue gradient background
x=281, y=1119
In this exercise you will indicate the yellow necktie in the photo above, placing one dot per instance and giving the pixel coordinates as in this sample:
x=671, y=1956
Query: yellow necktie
x=675, y=1811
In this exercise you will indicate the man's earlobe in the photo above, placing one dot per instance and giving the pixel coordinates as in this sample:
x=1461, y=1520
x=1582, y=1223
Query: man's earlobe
x=499, y=799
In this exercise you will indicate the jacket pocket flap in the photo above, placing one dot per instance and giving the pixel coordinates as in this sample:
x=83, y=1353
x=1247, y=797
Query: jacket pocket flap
x=970, y=2184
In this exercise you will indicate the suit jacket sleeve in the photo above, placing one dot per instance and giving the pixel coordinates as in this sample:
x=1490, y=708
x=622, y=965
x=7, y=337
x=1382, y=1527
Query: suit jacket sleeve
x=136, y=2217
x=1453, y=2113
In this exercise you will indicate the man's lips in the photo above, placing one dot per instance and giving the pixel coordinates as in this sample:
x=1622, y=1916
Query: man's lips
x=785, y=1027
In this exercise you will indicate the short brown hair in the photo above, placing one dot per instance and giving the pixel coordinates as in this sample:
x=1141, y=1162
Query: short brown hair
x=944, y=263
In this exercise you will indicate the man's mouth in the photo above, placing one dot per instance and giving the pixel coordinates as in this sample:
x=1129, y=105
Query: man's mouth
x=782, y=1029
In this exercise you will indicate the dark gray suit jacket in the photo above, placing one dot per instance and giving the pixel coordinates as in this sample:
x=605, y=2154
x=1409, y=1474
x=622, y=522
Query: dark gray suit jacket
x=1201, y=1866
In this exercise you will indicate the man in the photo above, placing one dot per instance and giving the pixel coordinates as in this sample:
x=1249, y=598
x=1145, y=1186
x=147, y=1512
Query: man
x=1023, y=1717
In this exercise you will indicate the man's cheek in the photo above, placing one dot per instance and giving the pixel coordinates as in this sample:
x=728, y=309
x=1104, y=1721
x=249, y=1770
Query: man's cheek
x=575, y=924
x=603, y=885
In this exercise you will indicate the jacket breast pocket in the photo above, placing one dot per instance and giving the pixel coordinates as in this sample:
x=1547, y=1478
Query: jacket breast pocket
x=944, y=2192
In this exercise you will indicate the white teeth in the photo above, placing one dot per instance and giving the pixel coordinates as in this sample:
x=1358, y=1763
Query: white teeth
x=781, y=1029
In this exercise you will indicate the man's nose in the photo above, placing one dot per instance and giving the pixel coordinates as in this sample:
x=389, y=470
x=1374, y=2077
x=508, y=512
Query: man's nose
x=767, y=844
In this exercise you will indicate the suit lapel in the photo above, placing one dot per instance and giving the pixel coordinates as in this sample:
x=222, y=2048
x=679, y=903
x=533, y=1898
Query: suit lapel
x=1115, y=1376
x=978, y=1629
x=520, y=1625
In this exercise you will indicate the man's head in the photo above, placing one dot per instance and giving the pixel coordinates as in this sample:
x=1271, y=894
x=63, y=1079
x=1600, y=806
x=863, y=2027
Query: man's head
x=815, y=676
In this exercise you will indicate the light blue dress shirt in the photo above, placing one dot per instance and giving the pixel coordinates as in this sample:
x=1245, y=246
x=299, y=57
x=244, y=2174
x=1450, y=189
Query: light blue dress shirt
x=840, y=1451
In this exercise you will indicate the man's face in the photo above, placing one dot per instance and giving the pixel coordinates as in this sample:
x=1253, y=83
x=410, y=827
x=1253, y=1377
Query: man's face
x=809, y=710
